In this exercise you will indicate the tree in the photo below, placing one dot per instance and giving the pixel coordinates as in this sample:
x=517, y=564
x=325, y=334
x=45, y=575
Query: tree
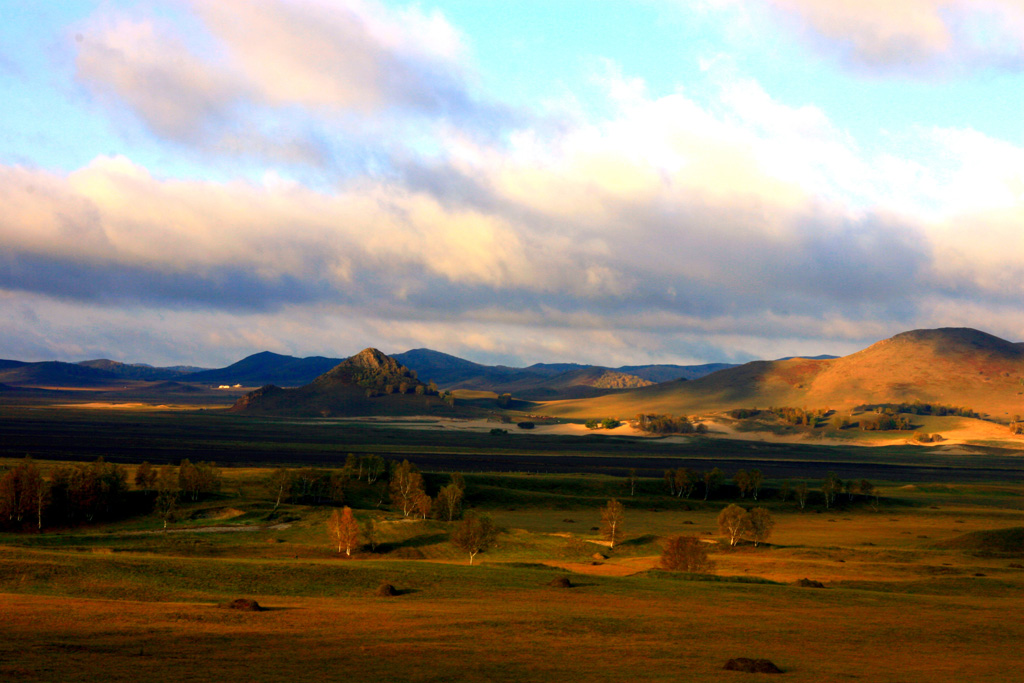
x=670, y=479
x=712, y=478
x=375, y=466
x=167, y=493
x=631, y=480
x=20, y=491
x=760, y=525
x=801, y=490
x=145, y=477
x=734, y=522
x=755, y=482
x=685, y=480
x=351, y=467
x=94, y=490
x=279, y=484
x=406, y=486
x=742, y=481
x=423, y=504
x=197, y=479
x=868, y=489
x=344, y=530
x=449, y=502
x=685, y=554
x=474, y=534
x=611, y=521
x=830, y=487
x=370, y=533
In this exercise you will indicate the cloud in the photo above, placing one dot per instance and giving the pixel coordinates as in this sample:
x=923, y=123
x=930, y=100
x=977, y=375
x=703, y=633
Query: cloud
x=914, y=36
x=145, y=66
x=349, y=55
x=671, y=227
x=299, y=83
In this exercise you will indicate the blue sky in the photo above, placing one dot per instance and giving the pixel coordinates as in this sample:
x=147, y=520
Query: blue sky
x=611, y=182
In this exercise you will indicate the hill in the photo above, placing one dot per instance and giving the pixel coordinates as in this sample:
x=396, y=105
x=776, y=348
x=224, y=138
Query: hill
x=996, y=542
x=139, y=371
x=266, y=368
x=368, y=383
x=543, y=380
x=668, y=373
x=949, y=366
x=54, y=374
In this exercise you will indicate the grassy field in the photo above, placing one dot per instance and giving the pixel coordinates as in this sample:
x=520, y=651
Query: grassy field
x=921, y=589
x=922, y=586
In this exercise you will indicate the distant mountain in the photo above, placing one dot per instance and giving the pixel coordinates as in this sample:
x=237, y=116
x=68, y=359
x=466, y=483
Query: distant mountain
x=547, y=379
x=578, y=383
x=450, y=371
x=948, y=366
x=54, y=374
x=368, y=383
x=266, y=368
x=667, y=373
x=139, y=371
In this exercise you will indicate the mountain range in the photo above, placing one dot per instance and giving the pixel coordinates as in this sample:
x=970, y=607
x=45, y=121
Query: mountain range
x=959, y=367
x=542, y=380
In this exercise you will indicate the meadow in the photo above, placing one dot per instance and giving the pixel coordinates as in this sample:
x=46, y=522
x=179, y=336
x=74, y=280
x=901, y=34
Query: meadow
x=921, y=585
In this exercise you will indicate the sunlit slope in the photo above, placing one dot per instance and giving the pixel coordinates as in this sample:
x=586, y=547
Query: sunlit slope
x=761, y=383
x=954, y=366
x=369, y=383
x=951, y=366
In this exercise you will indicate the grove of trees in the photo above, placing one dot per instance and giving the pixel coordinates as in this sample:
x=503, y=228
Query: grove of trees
x=82, y=493
x=737, y=524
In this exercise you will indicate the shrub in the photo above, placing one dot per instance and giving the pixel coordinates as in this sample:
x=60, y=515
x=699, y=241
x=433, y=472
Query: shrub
x=685, y=554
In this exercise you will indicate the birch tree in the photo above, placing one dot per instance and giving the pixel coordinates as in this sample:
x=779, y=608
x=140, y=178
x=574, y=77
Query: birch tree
x=474, y=534
x=611, y=521
x=734, y=522
x=760, y=525
x=344, y=530
x=406, y=486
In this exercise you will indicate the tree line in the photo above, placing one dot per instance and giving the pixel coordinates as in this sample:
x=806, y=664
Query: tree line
x=83, y=493
x=668, y=424
x=684, y=482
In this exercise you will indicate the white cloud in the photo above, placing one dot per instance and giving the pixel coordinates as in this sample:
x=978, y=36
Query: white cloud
x=915, y=35
x=289, y=82
x=672, y=227
x=670, y=216
x=352, y=54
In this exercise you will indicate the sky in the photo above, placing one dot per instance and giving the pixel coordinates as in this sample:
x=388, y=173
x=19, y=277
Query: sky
x=655, y=181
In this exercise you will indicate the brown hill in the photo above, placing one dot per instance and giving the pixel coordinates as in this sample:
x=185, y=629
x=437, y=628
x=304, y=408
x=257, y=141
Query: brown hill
x=950, y=366
x=584, y=382
x=368, y=383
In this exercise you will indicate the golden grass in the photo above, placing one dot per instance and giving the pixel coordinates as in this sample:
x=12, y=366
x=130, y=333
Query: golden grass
x=899, y=603
x=603, y=630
